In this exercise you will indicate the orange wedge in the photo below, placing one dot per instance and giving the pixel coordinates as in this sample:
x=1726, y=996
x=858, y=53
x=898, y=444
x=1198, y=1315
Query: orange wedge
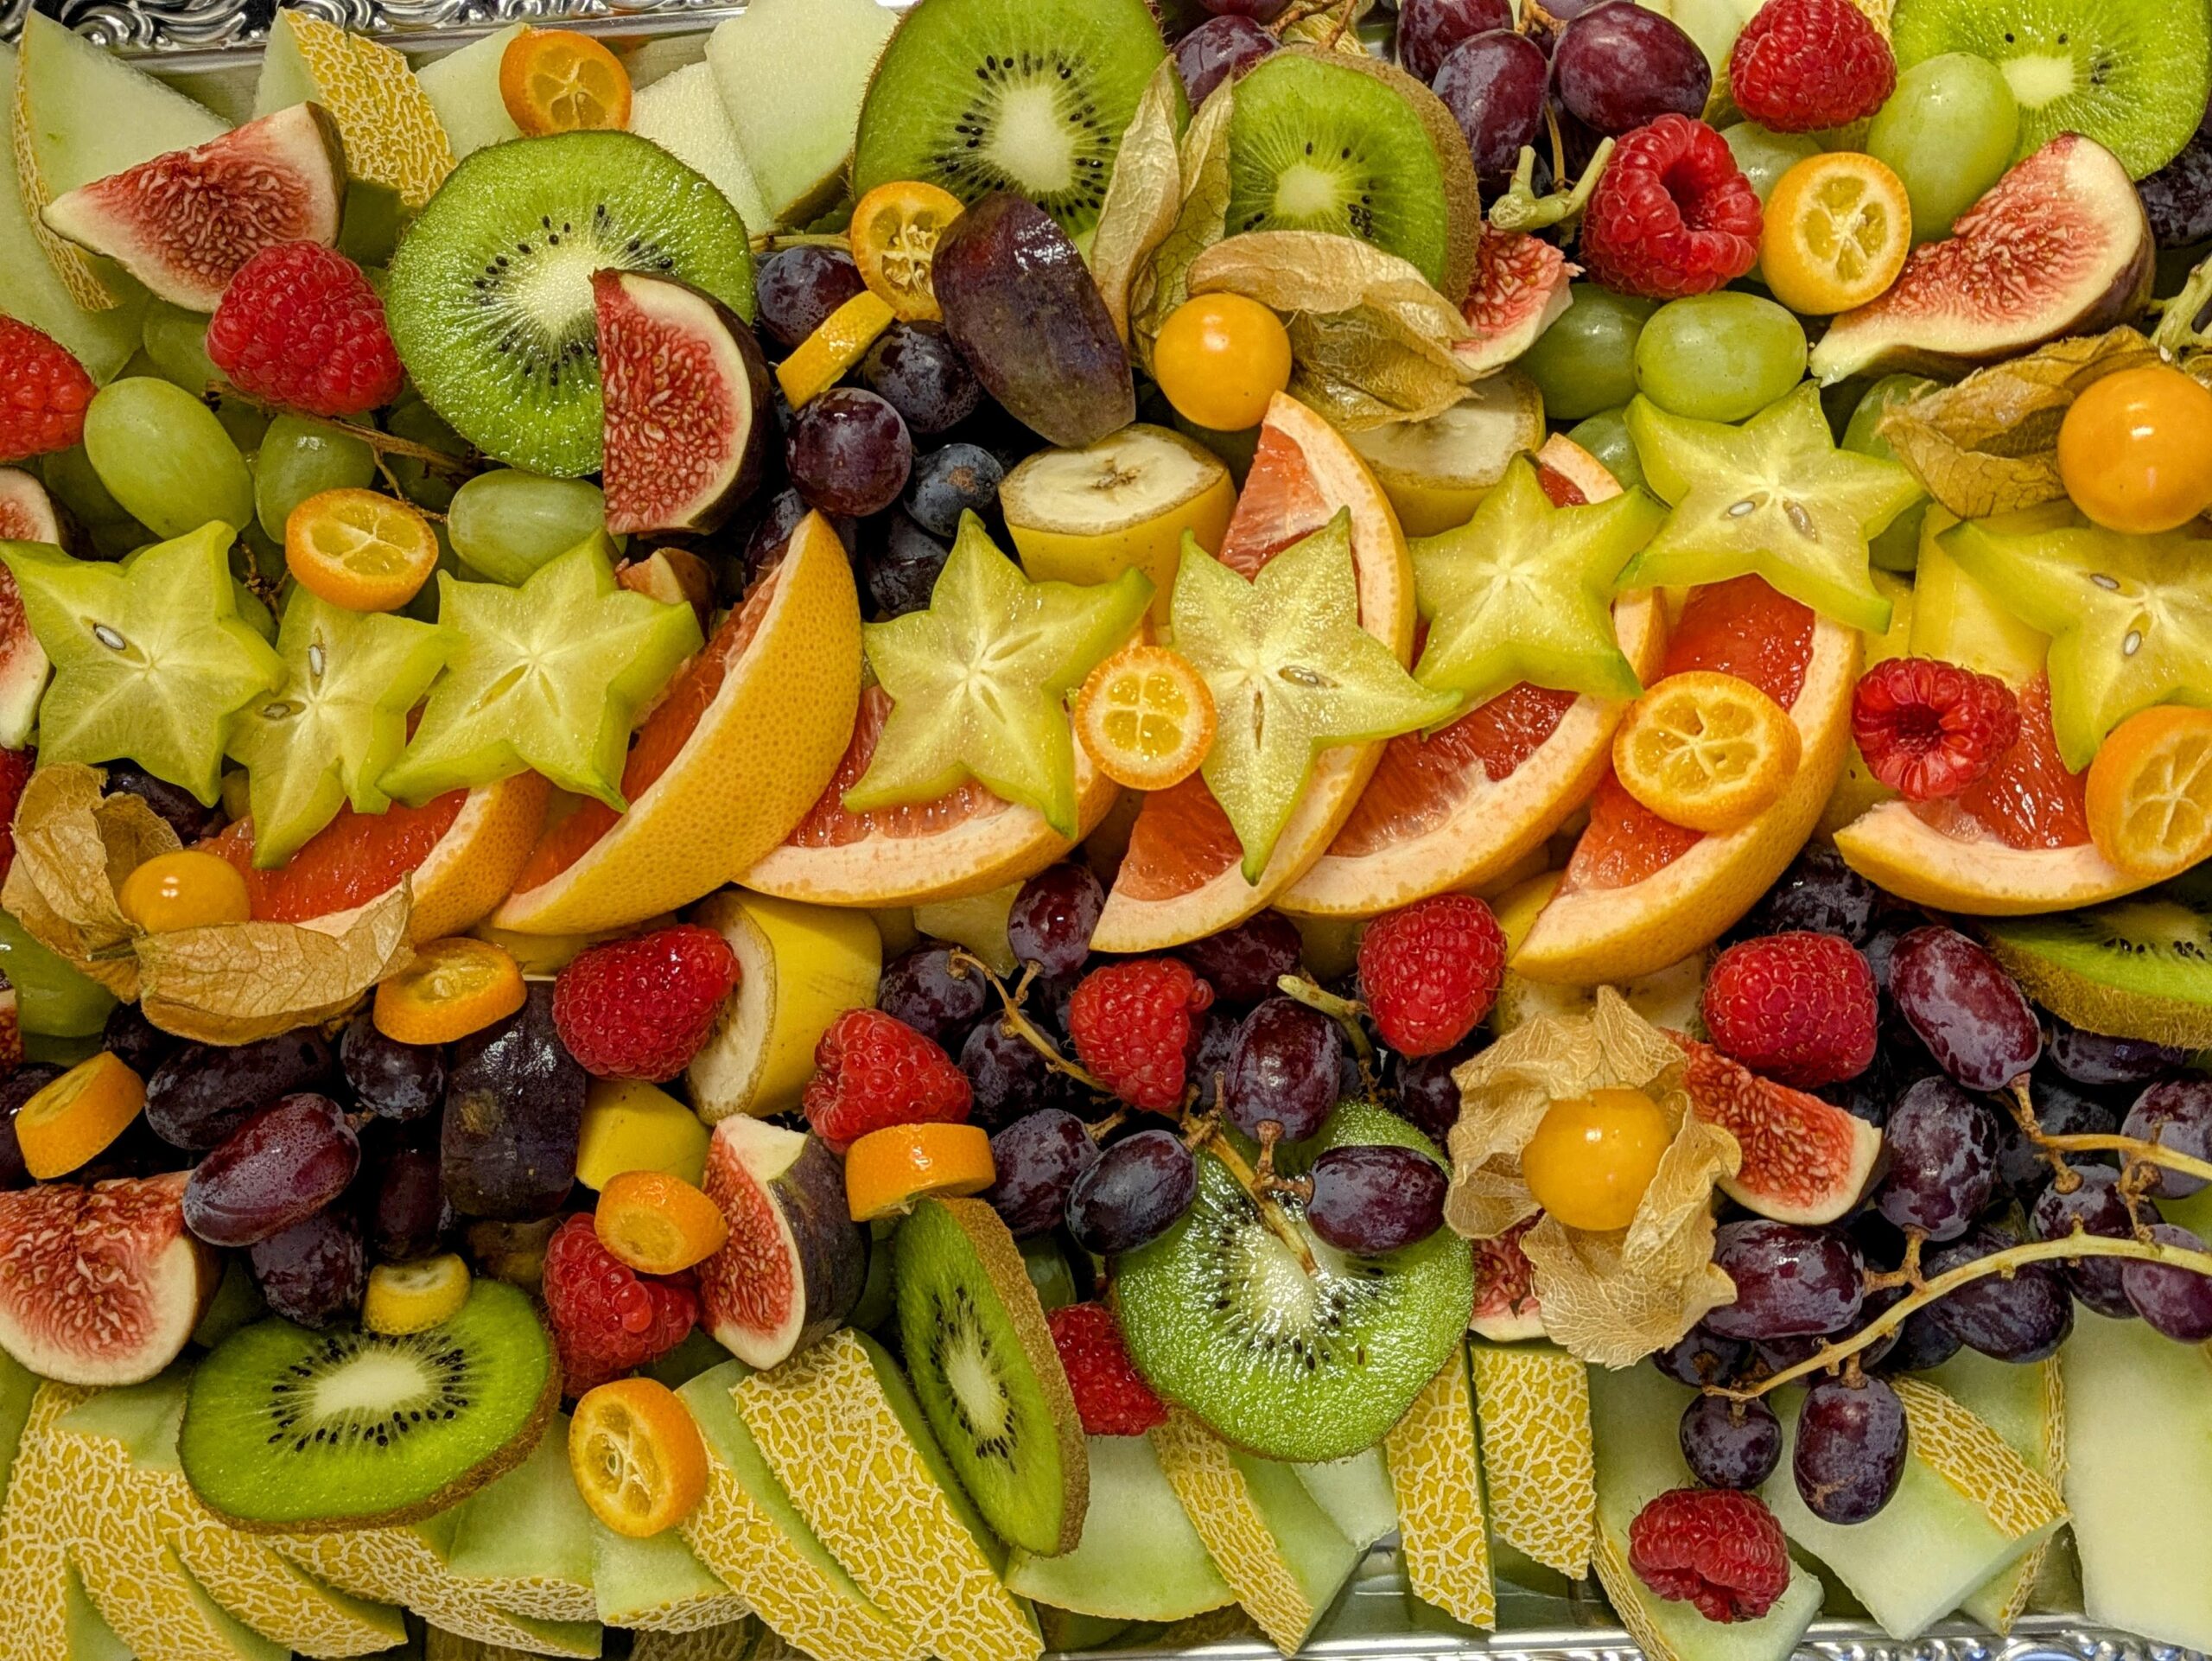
x=887, y=1170
x=71, y=1120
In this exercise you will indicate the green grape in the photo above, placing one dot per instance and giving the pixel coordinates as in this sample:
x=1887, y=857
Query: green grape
x=411, y=418
x=243, y=422
x=1718, y=357
x=1897, y=549
x=1585, y=361
x=505, y=524
x=176, y=343
x=69, y=475
x=166, y=458
x=300, y=458
x=1948, y=132
x=51, y=996
x=1765, y=156
x=1605, y=437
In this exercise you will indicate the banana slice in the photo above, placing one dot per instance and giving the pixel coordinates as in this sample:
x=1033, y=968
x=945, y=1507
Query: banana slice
x=1436, y=472
x=802, y=967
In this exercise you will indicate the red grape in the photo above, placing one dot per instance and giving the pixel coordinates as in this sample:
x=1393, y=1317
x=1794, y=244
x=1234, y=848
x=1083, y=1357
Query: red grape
x=278, y=1169
x=1851, y=1449
x=1135, y=1191
x=1429, y=29
x=1371, y=1200
x=1620, y=67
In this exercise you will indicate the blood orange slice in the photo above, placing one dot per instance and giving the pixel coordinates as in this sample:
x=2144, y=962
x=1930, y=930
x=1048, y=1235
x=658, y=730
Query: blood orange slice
x=1461, y=807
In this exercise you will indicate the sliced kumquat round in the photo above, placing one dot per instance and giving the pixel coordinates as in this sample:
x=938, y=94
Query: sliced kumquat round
x=1839, y=226
x=185, y=889
x=637, y=1456
x=657, y=1223
x=73, y=1119
x=838, y=342
x=1145, y=718
x=887, y=1171
x=1706, y=750
x=413, y=1297
x=2149, y=799
x=359, y=549
x=557, y=80
x=894, y=233
x=454, y=987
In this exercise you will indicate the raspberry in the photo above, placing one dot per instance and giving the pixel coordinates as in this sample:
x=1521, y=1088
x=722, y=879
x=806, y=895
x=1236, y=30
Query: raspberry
x=1930, y=729
x=1133, y=1025
x=15, y=772
x=299, y=325
x=1717, y=1548
x=1803, y=64
x=43, y=393
x=642, y=1008
x=1430, y=971
x=1673, y=213
x=606, y=1319
x=874, y=1072
x=1799, y=1007
x=1111, y=1397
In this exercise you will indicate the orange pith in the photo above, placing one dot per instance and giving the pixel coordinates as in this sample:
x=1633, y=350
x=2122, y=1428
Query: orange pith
x=348, y=862
x=2028, y=801
x=557, y=80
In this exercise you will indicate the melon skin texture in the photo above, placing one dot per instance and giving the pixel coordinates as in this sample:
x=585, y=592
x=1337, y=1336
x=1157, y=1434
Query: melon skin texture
x=2026, y=1405
x=525, y=1542
x=683, y=113
x=1436, y=1470
x=1139, y=1558
x=792, y=74
x=1533, y=1401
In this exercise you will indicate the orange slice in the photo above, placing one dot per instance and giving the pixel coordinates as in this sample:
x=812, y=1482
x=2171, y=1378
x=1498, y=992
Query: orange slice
x=1838, y=229
x=1706, y=750
x=886, y=1171
x=657, y=1223
x=637, y=1456
x=1145, y=718
x=839, y=342
x=453, y=988
x=413, y=1297
x=557, y=80
x=359, y=550
x=746, y=736
x=2150, y=794
x=71, y=1120
x=894, y=232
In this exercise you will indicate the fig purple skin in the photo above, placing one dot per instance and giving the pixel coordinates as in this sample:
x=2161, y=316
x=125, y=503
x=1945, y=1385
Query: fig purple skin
x=513, y=1115
x=1022, y=306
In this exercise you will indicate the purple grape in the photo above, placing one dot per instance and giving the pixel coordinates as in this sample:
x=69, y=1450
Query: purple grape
x=1965, y=1008
x=1730, y=1444
x=1284, y=1068
x=2062, y=1109
x=1371, y=1198
x=1701, y=1357
x=177, y=807
x=1007, y=1075
x=1880, y=948
x=1216, y=49
x=2021, y=1317
x=950, y=481
x=1429, y=29
x=901, y=574
x=2090, y=1057
x=391, y=1080
x=2175, y=1115
x=1245, y=963
x=919, y=372
x=797, y=289
x=1942, y=1161
x=278, y=1169
x=1052, y=916
x=315, y=1271
x=1773, y=1355
x=2172, y=1301
x=1922, y=1342
x=1851, y=1449
x=1427, y=1098
x=2096, y=1206
x=1790, y=1280
x=848, y=452
x=1620, y=67
x=1262, y=11
x=1210, y=1055
x=205, y=1092
x=1494, y=85
x=765, y=544
x=1038, y=1159
x=136, y=1152
x=1818, y=892
x=407, y=1213
x=1138, y=1189
x=936, y=995
x=18, y=1087
x=136, y=1042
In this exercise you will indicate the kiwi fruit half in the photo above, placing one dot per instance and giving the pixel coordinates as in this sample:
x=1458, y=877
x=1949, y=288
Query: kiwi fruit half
x=287, y=1429
x=2140, y=967
x=2132, y=76
x=1030, y=96
x=490, y=299
x=1222, y=1318
x=988, y=1375
x=1321, y=141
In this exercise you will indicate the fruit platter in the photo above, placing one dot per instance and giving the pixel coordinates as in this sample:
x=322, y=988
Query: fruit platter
x=1149, y=827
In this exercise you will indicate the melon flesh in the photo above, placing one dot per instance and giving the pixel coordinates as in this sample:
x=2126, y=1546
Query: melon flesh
x=657, y=1584
x=1139, y=1558
x=463, y=88
x=2026, y=1406
x=525, y=1541
x=792, y=73
x=683, y=114
x=1356, y=1493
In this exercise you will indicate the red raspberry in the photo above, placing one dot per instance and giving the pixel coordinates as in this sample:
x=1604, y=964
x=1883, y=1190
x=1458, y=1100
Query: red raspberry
x=1803, y=64
x=1716, y=1548
x=299, y=325
x=1111, y=1397
x=15, y=772
x=1930, y=729
x=642, y=1008
x=1430, y=971
x=608, y=1320
x=1672, y=215
x=43, y=393
x=1133, y=1024
x=874, y=1072
x=1799, y=1007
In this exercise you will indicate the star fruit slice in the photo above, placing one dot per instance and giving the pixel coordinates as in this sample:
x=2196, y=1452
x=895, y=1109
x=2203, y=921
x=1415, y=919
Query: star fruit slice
x=151, y=659
x=1774, y=498
x=1292, y=673
x=980, y=681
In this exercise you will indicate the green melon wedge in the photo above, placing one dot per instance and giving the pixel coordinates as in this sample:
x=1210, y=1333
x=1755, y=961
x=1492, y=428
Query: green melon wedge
x=1139, y=1558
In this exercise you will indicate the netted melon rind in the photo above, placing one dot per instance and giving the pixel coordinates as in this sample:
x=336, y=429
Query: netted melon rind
x=1626, y=1594
x=1959, y=1447
x=1436, y=1473
x=744, y=1640
x=1533, y=1405
x=1214, y=1497
x=34, y=1524
x=391, y=133
x=401, y=1565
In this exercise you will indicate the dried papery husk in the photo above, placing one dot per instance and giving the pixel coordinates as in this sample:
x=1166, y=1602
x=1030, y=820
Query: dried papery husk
x=1161, y=283
x=1144, y=198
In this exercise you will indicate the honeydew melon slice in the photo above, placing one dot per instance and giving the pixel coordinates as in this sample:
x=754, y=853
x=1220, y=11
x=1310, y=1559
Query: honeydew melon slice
x=2026, y=1405
x=657, y=1584
x=1356, y=1492
x=792, y=74
x=18, y=1387
x=1533, y=1401
x=683, y=114
x=525, y=1544
x=463, y=88
x=1435, y=1468
x=1139, y=1558
x=89, y=1637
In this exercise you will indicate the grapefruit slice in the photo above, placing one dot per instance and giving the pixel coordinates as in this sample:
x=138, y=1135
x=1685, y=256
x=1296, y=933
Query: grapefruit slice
x=1640, y=893
x=726, y=764
x=1181, y=878
x=1461, y=808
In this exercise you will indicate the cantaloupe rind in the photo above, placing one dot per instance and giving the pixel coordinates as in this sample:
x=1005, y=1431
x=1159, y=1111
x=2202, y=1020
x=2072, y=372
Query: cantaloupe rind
x=1533, y=1402
x=391, y=132
x=2025, y=1405
x=35, y=1522
x=1436, y=1472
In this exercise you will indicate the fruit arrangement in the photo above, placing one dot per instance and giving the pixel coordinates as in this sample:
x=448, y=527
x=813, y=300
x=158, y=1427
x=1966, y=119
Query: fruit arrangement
x=970, y=832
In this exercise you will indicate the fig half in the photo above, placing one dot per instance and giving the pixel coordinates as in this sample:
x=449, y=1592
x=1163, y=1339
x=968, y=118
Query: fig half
x=794, y=1263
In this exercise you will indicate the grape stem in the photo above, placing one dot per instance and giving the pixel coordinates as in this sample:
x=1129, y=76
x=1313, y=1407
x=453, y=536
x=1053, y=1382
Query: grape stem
x=1345, y=1012
x=769, y=241
x=1259, y=1190
x=2054, y=1148
x=382, y=443
x=2178, y=326
x=1026, y=1030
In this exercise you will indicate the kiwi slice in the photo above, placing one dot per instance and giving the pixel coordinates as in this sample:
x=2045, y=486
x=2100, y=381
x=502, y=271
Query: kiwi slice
x=1030, y=96
x=990, y=1379
x=1320, y=141
x=1223, y=1319
x=489, y=297
x=2139, y=968
x=2132, y=76
x=287, y=1429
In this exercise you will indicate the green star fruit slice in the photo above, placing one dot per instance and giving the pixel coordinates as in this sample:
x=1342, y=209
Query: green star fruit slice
x=1524, y=592
x=1292, y=673
x=1775, y=499
x=151, y=659
x=338, y=721
x=550, y=676
x=980, y=681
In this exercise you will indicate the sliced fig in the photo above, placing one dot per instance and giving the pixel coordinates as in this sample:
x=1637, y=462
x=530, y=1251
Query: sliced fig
x=26, y=510
x=2059, y=245
x=1805, y=1162
x=1506, y=1308
x=184, y=223
x=1022, y=308
x=687, y=405
x=1519, y=288
x=101, y=1285
x=794, y=1263
x=26, y=515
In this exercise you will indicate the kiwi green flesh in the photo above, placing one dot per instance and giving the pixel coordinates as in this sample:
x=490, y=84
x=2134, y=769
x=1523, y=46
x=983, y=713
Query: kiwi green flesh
x=2139, y=967
x=1030, y=96
x=1313, y=146
x=289, y=1429
x=1222, y=1319
x=489, y=297
x=983, y=1368
x=2133, y=77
